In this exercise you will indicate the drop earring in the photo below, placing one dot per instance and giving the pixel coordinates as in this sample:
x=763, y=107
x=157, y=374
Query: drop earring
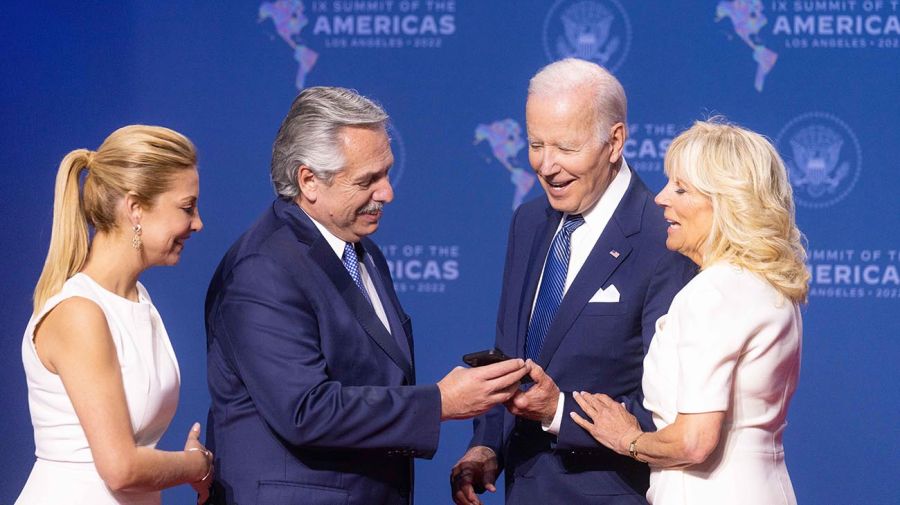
x=136, y=239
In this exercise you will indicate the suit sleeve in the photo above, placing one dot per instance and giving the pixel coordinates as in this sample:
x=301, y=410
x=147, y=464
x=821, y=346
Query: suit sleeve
x=672, y=272
x=269, y=332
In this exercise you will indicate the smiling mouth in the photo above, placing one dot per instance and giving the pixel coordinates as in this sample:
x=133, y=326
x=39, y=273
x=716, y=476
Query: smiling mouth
x=559, y=185
x=673, y=224
x=373, y=209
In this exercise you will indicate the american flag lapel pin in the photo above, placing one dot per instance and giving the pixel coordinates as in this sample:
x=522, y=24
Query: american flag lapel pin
x=614, y=253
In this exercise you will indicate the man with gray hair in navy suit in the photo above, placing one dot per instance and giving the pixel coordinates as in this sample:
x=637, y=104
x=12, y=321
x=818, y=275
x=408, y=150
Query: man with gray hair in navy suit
x=309, y=352
x=587, y=275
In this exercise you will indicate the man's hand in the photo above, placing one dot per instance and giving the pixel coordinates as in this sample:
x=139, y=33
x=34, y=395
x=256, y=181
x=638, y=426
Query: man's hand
x=539, y=402
x=476, y=470
x=470, y=392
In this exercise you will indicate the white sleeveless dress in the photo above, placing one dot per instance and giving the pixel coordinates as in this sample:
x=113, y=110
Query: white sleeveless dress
x=64, y=471
x=731, y=343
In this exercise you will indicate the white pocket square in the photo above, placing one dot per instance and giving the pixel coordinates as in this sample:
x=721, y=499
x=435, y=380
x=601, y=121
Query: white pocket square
x=608, y=295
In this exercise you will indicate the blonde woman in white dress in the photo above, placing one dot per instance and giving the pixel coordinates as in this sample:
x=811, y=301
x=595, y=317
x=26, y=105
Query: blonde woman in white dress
x=102, y=377
x=723, y=365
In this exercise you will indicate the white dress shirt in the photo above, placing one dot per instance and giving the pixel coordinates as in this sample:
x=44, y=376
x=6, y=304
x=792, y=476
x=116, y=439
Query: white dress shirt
x=583, y=240
x=338, y=245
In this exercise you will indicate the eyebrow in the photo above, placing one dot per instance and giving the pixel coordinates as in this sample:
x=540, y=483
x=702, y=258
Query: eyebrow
x=374, y=173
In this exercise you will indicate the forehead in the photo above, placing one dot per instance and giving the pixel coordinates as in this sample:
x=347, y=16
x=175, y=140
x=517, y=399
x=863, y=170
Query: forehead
x=676, y=173
x=559, y=114
x=185, y=181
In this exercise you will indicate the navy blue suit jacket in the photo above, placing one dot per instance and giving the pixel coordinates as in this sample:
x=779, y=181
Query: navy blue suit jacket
x=596, y=347
x=313, y=401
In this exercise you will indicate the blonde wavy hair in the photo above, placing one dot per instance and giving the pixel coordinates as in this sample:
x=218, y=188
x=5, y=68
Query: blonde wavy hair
x=138, y=160
x=753, y=224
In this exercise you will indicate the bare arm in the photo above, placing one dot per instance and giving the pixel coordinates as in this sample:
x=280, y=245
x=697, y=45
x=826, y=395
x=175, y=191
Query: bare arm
x=74, y=342
x=687, y=441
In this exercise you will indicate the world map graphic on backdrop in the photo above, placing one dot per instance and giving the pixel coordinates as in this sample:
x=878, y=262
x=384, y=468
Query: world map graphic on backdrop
x=810, y=25
x=358, y=25
x=747, y=19
x=505, y=139
x=289, y=20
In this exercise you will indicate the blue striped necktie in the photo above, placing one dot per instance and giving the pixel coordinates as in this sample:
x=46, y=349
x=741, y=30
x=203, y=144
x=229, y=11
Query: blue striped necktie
x=351, y=263
x=552, y=284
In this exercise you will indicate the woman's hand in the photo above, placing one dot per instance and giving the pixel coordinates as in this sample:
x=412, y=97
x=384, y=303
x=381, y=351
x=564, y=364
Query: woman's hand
x=612, y=425
x=205, y=467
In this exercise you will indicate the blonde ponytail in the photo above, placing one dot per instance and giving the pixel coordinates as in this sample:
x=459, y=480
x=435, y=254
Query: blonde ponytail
x=136, y=159
x=69, y=238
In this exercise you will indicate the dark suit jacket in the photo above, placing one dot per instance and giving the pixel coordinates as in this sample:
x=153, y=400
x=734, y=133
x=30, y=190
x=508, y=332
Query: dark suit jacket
x=313, y=401
x=595, y=347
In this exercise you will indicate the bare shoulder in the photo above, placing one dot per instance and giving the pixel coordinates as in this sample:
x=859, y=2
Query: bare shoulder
x=75, y=327
x=73, y=315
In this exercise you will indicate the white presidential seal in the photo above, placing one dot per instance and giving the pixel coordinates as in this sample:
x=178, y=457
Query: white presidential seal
x=593, y=30
x=822, y=156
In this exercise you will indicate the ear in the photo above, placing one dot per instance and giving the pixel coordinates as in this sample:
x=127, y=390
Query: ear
x=133, y=208
x=617, y=136
x=308, y=182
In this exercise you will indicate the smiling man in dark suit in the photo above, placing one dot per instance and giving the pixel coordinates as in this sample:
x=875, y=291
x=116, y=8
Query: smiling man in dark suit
x=587, y=275
x=309, y=353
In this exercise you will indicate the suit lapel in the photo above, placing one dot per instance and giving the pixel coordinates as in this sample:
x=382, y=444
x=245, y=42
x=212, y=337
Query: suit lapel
x=391, y=310
x=323, y=255
x=536, y=258
x=617, y=237
x=594, y=274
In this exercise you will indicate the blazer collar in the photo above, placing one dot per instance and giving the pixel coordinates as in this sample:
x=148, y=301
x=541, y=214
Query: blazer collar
x=323, y=255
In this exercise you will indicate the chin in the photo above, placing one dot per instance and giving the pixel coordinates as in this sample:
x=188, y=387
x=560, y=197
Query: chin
x=366, y=230
x=565, y=209
x=171, y=260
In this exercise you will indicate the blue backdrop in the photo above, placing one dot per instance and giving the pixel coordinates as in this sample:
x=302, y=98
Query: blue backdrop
x=822, y=79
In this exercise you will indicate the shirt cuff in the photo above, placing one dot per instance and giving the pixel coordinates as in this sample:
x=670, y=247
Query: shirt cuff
x=553, y=427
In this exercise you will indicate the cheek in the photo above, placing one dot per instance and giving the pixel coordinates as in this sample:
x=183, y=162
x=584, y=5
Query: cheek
x=584, y=166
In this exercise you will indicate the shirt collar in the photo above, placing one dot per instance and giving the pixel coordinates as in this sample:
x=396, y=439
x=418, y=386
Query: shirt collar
x=337, y=244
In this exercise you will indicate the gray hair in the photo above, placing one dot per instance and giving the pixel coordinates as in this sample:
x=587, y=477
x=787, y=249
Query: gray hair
x=571, y=74
x=309, y=134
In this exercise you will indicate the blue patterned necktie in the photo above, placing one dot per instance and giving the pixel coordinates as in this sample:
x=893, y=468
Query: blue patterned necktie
x=552, y=284
x=351, y=263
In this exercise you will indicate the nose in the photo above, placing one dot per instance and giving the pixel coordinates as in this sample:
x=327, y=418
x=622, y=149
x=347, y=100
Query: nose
x=545, y=163
x=196, y=223
x=662, y=199
x=384, y=193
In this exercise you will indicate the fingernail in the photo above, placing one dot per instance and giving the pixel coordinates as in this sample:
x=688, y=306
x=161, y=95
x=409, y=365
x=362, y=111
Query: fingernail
x=195, y=427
